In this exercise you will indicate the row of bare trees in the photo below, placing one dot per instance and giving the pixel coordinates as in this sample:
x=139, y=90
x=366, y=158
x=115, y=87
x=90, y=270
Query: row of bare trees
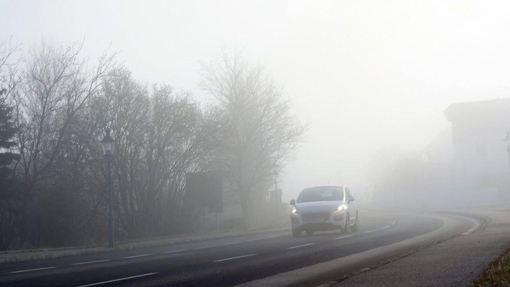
x=58, y=106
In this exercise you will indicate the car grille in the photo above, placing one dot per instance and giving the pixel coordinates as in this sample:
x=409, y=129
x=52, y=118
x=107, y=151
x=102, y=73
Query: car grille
x=315, y=216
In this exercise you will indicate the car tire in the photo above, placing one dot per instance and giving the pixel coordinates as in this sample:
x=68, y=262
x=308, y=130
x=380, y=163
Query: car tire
x=296, y=232
x=345, y=229
x=355, y=226
x=309, y=232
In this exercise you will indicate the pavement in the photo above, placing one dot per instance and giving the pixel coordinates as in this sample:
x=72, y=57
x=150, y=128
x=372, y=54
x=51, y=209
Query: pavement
x=53, y=253
x=454, y=262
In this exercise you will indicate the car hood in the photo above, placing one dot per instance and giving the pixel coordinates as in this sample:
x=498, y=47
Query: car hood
x=317, y=206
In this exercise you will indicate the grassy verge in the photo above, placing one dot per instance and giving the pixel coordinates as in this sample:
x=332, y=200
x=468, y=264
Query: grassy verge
x=497, y=273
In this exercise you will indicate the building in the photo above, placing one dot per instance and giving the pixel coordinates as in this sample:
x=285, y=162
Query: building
x=480, y=162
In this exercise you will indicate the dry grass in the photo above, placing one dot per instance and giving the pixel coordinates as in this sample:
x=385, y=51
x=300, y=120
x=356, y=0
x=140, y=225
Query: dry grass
x=497, y=273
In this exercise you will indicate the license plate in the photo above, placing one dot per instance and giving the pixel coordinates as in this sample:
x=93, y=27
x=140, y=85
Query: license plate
x=315, y=219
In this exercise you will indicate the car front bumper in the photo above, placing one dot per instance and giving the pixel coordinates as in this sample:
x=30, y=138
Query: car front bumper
x=336, y=220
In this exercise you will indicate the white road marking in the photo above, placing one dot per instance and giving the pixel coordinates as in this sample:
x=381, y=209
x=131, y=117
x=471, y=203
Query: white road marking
x=386, y=227
x=30, y=270
x=230, y=243
x=343, y=236
x=136, y=256
x=475, y=226
x=232, y=258
x=173, y=251
x=370, y=231
x=393, y=222
x=117, y=280
x=299, y=246
x=90, y=262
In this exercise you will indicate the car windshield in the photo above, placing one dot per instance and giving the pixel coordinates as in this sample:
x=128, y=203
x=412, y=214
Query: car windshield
x=320, y=194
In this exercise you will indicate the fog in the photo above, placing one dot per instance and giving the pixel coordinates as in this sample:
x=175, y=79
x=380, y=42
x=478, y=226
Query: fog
x=364, y=76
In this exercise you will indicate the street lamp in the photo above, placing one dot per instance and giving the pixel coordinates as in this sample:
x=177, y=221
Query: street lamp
x=276, y=179
x=108, y=150
x=275, y=166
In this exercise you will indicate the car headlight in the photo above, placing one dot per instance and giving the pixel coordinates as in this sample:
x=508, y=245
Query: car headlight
x=341, y=208
x=293, y=211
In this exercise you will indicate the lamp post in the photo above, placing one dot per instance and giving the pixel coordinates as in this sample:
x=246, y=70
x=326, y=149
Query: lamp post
x=507, y=140
x=276, y=188
x=108, y=150
x=275, y=180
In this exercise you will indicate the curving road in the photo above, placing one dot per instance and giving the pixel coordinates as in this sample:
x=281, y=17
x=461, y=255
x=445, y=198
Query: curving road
x=243, y=259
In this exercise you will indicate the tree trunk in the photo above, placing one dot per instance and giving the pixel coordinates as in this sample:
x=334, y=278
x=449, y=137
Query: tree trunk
x=23, y=230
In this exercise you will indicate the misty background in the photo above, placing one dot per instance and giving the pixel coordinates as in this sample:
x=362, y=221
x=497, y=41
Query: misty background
x=364, y=75
x=370, y=80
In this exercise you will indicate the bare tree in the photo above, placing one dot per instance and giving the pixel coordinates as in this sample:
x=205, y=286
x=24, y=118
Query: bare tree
x=259, y=131
x=9, y=78
x=160, y=136
x=56, y=87
x=61, y=108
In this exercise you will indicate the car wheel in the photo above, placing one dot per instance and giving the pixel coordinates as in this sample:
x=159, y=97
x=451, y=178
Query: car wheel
x=309, y=232
x=345, y=229
x=296, y=232
x=355, y=226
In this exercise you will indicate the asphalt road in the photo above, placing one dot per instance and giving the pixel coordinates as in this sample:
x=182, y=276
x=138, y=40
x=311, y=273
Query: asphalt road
x=222, y=262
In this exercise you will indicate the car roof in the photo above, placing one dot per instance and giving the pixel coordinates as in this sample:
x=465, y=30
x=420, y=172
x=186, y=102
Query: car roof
x=325, y=186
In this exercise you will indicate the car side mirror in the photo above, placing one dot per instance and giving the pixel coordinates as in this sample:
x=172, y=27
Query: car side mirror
x=351, y=198
x=293, y=202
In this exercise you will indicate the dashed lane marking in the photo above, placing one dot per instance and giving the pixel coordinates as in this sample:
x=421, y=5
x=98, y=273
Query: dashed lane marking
x=136, y=256
x=30, y=270
x=174, y=251
x=91, y=262
x=232, y=258
x=117, y=280
x=341, y=237
x=386, y=227
x=370, y=231
x=299, y=246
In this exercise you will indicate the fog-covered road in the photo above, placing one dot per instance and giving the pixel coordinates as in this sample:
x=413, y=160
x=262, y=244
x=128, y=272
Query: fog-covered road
x=229, y=261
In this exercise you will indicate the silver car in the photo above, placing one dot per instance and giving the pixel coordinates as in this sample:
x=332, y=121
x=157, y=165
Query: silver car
x=324, y=208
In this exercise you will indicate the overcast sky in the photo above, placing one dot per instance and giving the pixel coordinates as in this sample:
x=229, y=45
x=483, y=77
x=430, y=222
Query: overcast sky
x=363, y=74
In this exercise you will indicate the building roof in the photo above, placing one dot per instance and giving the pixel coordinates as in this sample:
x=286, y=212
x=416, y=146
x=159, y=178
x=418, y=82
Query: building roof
x=486, y=110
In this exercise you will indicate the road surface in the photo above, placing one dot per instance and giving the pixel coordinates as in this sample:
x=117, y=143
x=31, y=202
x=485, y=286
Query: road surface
x=229, y=261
